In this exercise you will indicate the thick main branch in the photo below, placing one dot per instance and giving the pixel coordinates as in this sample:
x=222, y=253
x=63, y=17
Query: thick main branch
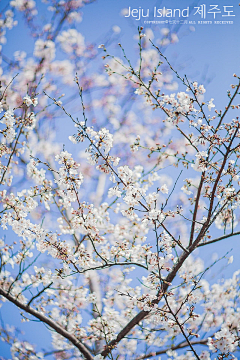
x=50, y=323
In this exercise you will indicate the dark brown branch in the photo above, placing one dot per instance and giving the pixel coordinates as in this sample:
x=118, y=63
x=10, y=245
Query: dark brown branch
x=228, y=107
x=176, y=347
x=81, y=347
x=208, y=221
x=219, y=239
x=173, y=238
x=11, y=155
x=39, y=293
x=181, y=328
x=196, y=208
x=142, y=314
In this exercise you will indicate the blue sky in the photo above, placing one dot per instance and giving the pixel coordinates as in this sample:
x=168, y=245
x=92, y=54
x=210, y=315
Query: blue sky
x=210, y=53
x=211, y=50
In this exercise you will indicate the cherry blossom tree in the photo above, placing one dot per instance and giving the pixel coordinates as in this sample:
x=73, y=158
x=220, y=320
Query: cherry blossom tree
x=115, y=173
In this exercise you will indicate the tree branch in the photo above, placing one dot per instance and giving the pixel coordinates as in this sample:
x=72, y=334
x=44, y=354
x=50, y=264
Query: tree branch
x=179, y=346
x=142, y=314
x=49, y=322
x=219, y=239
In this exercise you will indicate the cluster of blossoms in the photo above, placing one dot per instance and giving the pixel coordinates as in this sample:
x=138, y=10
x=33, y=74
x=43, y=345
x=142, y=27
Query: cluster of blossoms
x=102, y=139
x=32, y=171
x=45, y=50
x=72, y=41
x=30, y=101
x=226, y=220
x=10, y=120
x=9, y=132
x=23, y=5
x=6, y=22
x=68, y=174
x=120, y=232
x=226, y=341
x=101, y=143
x=200, y=164
x=198, y=89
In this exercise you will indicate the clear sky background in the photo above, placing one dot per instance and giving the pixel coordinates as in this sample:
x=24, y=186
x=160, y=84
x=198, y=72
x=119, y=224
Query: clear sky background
x=209, y=54
x=211, y=50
